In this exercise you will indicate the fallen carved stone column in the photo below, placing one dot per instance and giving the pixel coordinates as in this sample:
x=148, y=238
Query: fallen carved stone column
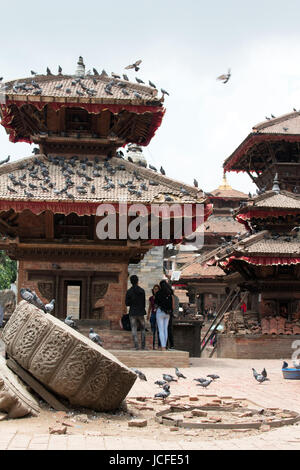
x=65, y=361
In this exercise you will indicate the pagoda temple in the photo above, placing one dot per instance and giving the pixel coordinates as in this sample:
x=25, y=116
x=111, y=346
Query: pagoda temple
x=206, y=285
x=49, y=202
x=267, y=258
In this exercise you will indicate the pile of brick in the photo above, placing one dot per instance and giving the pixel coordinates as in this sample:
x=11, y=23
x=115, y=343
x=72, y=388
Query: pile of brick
x=237, y=322
x=279, y=326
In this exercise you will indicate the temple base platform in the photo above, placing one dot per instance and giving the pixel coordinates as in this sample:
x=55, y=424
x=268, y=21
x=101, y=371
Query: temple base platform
x=257, y=346
x=150, y=358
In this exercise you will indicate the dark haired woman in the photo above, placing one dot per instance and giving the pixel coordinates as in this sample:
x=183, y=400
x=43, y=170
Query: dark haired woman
x=164, y=299
x=152, y=315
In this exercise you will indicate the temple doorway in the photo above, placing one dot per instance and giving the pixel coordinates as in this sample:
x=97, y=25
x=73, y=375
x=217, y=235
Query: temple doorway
x=74, y=295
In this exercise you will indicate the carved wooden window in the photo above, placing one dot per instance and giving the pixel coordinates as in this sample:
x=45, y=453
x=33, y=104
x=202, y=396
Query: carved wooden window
x=77, y=120
x=73, y=226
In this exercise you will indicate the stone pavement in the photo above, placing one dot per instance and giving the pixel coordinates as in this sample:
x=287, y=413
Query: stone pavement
x=236, y=380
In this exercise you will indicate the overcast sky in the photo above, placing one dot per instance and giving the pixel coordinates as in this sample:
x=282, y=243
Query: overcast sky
x=184, y=46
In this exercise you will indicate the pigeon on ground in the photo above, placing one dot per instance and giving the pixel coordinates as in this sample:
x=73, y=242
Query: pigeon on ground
x=169, y=378
x=95, y=337
x=163, y=394
x=200, y=380
x=160, y=383
x=205, y=384
x=213, y=376
x=69, y=321
x=50, y=307
x=285, y=365
x=179, y=374
x=260, y=377
x=139, y=373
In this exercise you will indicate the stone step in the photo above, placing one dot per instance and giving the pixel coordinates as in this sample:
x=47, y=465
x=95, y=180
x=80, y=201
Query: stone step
x=160, y=359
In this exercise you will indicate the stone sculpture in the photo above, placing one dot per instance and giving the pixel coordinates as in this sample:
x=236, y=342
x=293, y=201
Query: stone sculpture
x=64, y=361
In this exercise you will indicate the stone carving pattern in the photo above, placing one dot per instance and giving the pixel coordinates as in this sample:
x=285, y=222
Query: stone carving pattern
x=48, y=357
x=17, y=320
x=97, y=382
x=119, y=385
x=72, y=372
x=32, y=334
x=99, y=290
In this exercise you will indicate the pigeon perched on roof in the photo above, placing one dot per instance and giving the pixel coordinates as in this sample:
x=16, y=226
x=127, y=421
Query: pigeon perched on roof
x=162, y=171
x=6, y=160
x=134, y=66
x=179, y=374
x=70, y=322
x=139, y=373
x=260, y=377
x=95, y=337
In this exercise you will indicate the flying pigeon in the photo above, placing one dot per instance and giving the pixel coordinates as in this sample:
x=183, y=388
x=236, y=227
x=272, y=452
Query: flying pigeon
x=139, y=373
x=225, y=77
x=179, y=374
x=134, y=66
x=95, y=337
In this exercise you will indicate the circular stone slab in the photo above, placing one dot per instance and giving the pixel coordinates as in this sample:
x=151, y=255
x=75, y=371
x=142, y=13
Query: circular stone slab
x=65, y=361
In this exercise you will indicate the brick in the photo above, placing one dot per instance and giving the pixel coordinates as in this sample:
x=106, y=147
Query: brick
x=138, y=423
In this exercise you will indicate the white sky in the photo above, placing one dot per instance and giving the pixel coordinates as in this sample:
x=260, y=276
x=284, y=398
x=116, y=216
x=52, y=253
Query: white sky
x=184, y=47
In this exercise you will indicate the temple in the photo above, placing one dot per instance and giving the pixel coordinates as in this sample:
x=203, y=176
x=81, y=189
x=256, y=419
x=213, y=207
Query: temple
x=265, y=262
x=53, y=204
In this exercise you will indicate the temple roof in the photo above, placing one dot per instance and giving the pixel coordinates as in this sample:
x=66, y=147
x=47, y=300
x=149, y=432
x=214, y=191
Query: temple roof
x=216, y=225
x=283, y=128
x=99, y=180
x=196, y=271
x=88, y=89
x=225, y=191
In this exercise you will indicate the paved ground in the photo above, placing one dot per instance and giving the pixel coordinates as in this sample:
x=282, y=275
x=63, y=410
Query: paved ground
x=236, y=381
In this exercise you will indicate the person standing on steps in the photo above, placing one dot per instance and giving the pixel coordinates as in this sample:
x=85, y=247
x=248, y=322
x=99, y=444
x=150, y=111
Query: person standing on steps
x=136, y=301
x=164, y=299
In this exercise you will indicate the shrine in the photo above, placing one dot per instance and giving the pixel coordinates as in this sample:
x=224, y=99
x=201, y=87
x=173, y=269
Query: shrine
x=49, y=202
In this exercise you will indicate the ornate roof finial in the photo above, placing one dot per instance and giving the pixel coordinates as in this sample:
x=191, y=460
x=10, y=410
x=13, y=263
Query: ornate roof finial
x=225, y=185
x=80, y=71
x=276, y=186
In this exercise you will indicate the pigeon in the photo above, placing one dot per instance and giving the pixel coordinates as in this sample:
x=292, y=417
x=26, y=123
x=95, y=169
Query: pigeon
x=163, y=394
x=152, y=167
x=134, y=66
x=160, y=383
x=33, y=72
x=179, y=374
x=213, y=376
x=164, y=92
x=50, y=307
x=5, y=161
x=137, y=95
x=139, y=373
x=196, y=183
x=200, y=380
x=206, y=383
x=139, y=80
x=260, y=377
x=32, y=298
x=125, y=78
x=70, y=322
x=225, y=77
x=59, y=70
x=95, y=337
x=285, y=365
x=152, y=84
x=169, y=378
x=48, y=71
x=162, y=171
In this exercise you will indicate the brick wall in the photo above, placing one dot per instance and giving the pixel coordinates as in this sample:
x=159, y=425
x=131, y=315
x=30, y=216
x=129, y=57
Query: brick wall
x=256, y=346
x=149, y=270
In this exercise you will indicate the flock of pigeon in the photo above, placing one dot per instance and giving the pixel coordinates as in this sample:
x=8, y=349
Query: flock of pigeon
x=38, y=172
x=83, y=89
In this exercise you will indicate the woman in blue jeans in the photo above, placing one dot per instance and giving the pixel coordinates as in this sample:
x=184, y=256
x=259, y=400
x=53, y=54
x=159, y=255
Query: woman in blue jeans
x=164, y=299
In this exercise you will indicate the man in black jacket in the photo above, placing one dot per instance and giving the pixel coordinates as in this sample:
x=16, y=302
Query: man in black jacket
x=136, y=301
